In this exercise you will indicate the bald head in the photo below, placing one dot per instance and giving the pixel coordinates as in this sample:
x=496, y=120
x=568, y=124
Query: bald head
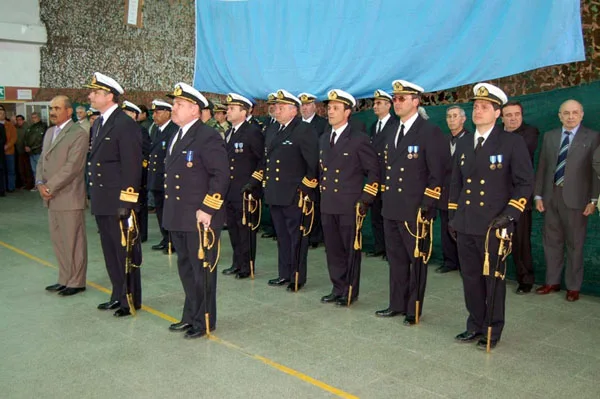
x=570, y=114
x=61, y=110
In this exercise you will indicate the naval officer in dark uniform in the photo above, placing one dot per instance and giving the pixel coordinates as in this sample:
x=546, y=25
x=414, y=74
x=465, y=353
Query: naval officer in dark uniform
x=163, y=131
x=308, y=109
x=492, y=181
x=133, y=111
x=385, y=125
x=245, y=146
x=415, y=158
x=115, y=179
x=349, y=182
x=289, y=171
x=196, y=180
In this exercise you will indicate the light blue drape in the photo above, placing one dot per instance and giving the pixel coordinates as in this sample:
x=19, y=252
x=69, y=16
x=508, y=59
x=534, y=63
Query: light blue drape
x=254, y=47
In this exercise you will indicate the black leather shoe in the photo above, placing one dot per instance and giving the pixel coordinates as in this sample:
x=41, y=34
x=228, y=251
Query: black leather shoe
x=55, y=287
x=375, y=254
x=278, y=281
x=122, y=312
x=482, y=344
x=524, y=289
x=343, y=301
x=241, y=276
x=388, y=313
x=444, y=269
x=181, y=326
x=292, y=287
x=267, y=235
x=314, y=245
x=160, y=247
x=194, y=333
x=330, y=298
x=468, y=336
x=409, y=321
x=110, y=305
x=230, y=270
x=71, y=291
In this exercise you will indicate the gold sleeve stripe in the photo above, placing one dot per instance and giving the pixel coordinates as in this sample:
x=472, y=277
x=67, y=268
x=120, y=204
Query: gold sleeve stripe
x=258, y=175
x=309, y=183
x=213, y=201
x=369, y=189
x=519, y=204
x=452, y=206
x=435, y=193
x=129, y=195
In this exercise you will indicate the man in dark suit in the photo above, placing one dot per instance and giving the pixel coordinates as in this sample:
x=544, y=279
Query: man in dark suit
x=346, y=159
x=385, y=125
x=308, y=109
x=163, y=131
x=133, y=111
x=271, y=123
x=455, y=118
x=245, y=149
x=512, y=118
x=566, y=191
x=415, y=158
x=290, y=171
x=115, y=181
x=492, y=180
x=196, y=180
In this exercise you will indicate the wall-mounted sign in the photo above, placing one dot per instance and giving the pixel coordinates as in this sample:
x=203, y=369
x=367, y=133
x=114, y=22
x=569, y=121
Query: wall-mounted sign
x=24, y=94
x=133, y=12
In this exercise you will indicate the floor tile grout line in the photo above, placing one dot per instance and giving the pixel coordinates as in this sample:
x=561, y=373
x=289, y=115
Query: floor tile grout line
x=280, y=367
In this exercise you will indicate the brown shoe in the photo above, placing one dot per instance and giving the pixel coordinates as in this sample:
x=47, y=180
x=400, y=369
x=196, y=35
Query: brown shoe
x=546, y=289
x=572, y=296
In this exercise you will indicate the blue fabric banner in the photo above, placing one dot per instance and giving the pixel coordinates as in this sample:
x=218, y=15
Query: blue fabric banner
x=254, y=47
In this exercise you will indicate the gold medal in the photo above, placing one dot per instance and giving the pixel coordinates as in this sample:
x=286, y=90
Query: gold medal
x=492, y=166
x=189, y=164
x=499, y=166
x=416, y=155
x=410, y=156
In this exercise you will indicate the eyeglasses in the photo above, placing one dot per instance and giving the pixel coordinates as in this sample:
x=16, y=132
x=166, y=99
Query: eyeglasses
x=401, y=99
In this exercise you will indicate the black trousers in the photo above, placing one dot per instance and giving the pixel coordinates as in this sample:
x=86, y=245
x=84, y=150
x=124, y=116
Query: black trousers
x=159, y=201
x=377, y=225
x=242, y=238
x=521, y=251
x=142, y=214
x=114, y=258
x=292, y=247
x=193, y=276
x=449, y=249
x=408, y=276
x=316, y=234
x=478, y=289
x=343, y=262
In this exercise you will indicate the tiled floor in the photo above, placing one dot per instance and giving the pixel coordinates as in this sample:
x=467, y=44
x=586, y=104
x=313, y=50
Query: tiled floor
x=63, y=347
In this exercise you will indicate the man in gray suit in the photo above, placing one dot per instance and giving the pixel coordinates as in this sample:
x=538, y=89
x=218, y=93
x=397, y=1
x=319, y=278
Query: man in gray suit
x=566, y=190
x=61, y=184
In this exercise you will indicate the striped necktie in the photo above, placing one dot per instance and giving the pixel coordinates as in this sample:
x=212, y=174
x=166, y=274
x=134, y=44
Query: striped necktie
x=561, y=162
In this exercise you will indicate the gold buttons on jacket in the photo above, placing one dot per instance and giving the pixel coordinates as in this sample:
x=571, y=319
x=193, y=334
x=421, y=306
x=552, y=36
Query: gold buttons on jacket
x=400, y=179
x=231, y=167
x=481, y=204
x=166, y=196
x=176, y=176
x=467, y=202
x=277, y=170
x=99, y=174
x=98, y=164
x=401, y=169
x=277, y=179
x=337, y=171
x=165, y=186
x=482, y=181
x=399, y=190
x=277, y=160
x=335, y=190
x=482, y=193
x=177, y=198
x=468, y=191
x=389, y=168
x=468, y=180
x=336, y=180
x=177, y=187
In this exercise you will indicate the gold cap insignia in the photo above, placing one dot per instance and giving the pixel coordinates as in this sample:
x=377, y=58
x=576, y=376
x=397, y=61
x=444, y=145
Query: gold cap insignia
x=271, y=97
x=398, y=86
x=304, y=97
x=94, y=81
x=482, y=92
x=333, y=95
x=280, y=94
x=178, y=91
x=229, y=99
x=153, y=106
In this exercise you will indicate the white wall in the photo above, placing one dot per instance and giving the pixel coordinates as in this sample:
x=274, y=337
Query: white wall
x=21, y=36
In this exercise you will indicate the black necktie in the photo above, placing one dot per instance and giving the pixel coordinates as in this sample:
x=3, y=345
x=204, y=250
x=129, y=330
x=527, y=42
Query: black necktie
x=101, y=119
x=231, y=132
x=177, y=138
x=400, y=135
x=379, y=128
x=332, y=140
x=480, y=141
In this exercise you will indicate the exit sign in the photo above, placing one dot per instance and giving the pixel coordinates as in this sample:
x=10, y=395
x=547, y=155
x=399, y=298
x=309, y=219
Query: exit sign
x=2, y=94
